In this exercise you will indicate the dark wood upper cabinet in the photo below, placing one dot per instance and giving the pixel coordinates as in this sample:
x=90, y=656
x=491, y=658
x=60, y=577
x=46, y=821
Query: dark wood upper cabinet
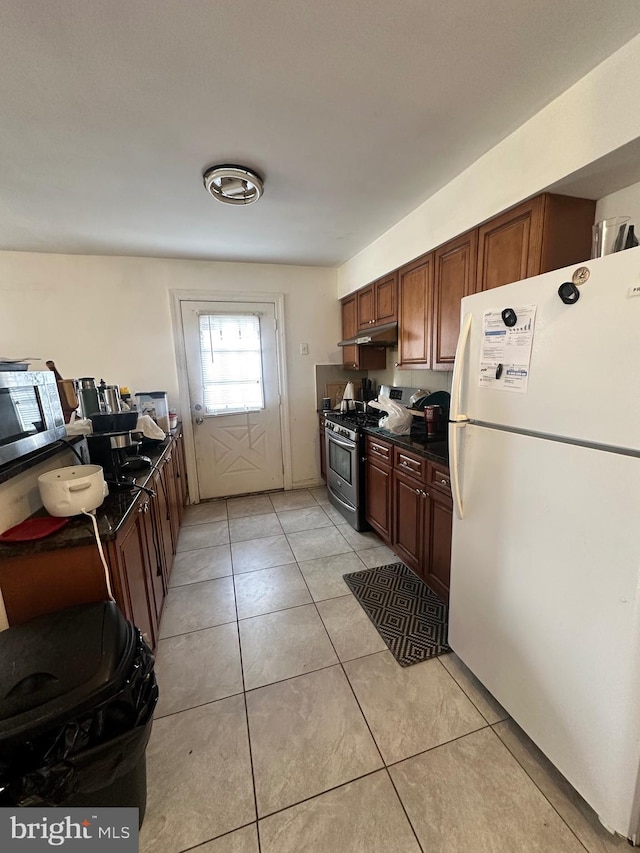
x=566, y=233
x=385, y=292
x=454, y=278
x=349, y=329
x=355, y=357
x=509, y=245
x=366, y=307
x=539, y=235
x=415, y=294
x=377, y=302
x=542, y=234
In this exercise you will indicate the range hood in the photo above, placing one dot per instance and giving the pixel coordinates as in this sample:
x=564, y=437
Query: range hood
x=377, y=336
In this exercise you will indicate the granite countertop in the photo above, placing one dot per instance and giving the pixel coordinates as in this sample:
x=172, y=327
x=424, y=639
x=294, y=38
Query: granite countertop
x=111, y=515
x=436, y=451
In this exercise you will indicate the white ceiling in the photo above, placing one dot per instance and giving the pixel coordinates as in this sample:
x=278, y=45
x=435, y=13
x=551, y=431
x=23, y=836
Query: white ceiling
x=354, y=112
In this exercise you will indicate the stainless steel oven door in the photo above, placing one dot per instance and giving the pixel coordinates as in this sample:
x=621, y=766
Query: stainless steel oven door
x=344, y=477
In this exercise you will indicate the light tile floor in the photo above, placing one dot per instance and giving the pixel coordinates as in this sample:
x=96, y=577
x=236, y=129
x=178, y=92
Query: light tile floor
x=285, y=725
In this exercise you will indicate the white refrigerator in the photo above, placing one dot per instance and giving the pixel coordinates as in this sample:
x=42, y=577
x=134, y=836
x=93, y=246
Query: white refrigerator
x=545, y=565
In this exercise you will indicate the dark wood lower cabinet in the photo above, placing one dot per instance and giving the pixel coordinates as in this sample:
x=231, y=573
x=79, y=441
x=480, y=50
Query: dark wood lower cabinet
x=140, y=558
x=378, y=484
x=182, y=489
x=407, y=526
x=40, y=583
x=437, y=544
x=422, y=521
x=129, y=556
x=165, y=515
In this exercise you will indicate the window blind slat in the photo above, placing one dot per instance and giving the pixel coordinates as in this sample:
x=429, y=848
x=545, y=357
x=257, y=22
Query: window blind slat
x=231, y=360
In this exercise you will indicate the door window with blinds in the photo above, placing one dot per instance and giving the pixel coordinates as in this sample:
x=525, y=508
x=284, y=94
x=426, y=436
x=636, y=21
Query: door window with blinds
x=231, y=360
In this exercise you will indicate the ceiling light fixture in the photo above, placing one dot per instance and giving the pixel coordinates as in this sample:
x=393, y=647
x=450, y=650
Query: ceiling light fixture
x=233, y=184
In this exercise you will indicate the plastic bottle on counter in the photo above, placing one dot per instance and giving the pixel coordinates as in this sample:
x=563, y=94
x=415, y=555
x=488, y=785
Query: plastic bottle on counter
x=125, y=397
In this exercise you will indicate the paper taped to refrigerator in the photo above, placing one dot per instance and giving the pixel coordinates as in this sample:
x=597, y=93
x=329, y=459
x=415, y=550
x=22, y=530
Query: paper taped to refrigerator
x=505, y=354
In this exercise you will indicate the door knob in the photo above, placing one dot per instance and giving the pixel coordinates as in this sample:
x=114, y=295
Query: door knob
x=199, y=421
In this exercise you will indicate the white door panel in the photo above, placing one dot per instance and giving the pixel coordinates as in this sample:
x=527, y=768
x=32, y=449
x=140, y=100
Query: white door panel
x=544, y=604
x=584, y=379
x=239, y=452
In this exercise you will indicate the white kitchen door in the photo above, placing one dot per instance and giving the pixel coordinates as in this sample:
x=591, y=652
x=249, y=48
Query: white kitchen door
x=232, y=367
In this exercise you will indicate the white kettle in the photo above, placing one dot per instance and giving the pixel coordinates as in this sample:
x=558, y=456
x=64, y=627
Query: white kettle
x=349, y=393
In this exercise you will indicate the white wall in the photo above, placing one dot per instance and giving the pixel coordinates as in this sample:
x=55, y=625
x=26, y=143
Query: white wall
x=625, y=202
x=590, y=120
x=110, y=317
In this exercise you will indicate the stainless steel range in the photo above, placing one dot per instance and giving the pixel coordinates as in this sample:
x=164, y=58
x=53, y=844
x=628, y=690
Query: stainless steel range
x=344, y=439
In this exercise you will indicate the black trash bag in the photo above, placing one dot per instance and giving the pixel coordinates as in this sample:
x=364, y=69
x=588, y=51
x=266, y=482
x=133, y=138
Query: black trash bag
x=89, y=751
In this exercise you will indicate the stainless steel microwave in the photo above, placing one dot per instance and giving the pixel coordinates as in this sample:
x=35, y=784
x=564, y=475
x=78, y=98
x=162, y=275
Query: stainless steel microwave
x=30, y=413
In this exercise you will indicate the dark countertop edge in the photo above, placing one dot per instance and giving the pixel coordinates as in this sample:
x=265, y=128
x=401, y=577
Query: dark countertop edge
x=436, y=451
x=12, y=469
x=111, y=515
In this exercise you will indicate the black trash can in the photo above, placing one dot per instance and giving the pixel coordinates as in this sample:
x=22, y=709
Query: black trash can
x=77, y=695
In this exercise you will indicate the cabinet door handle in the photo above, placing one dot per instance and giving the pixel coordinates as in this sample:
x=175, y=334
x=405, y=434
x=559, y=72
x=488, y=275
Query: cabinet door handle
x=444, y=482
x=396, y=364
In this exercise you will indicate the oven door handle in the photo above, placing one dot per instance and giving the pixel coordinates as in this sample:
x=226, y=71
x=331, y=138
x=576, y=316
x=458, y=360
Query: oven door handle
x=340, y=501
x=350, y=446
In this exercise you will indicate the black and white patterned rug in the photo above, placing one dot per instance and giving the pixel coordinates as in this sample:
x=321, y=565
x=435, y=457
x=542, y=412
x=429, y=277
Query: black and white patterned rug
x=408, y=615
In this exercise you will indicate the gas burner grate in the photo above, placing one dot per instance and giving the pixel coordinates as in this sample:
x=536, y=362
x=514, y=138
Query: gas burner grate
x=355, y=420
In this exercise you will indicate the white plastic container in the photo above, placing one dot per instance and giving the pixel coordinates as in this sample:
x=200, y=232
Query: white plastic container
x=155, y=404
x=72, y=490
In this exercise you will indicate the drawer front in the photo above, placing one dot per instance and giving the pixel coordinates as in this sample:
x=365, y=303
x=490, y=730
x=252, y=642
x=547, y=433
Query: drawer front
x=412, y=465
x=439, y=478
x=380, y=450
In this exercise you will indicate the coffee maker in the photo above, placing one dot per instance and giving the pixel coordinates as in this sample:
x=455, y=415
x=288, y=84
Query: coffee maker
x=110, y=446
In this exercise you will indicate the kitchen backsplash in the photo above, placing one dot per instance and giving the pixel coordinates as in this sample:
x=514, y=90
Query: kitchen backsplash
x=327, y=374
x=429, y=380
x=19, y=496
